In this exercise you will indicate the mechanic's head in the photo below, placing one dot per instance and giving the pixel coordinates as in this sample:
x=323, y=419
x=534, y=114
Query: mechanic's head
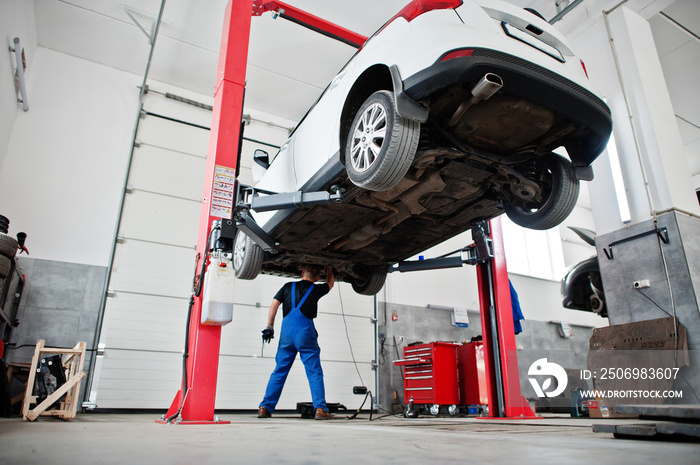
x=311, y=272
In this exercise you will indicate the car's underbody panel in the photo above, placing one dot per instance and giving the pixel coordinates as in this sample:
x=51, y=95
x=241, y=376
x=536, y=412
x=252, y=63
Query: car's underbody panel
x=433, y=203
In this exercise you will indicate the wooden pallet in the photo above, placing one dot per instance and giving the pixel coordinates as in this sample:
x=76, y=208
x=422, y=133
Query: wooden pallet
x=72, y=360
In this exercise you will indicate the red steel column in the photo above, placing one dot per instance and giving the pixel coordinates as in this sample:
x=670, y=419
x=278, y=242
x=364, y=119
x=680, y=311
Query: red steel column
x=516, y=406
x=204, y=341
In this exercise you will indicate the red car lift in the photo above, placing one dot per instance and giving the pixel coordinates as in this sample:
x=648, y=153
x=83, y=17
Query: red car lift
x=194, y=402
x=488, y=255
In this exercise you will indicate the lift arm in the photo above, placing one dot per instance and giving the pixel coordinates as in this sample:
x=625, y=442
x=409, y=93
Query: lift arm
x=248, y=198
x=480, y=251
x=309, y=21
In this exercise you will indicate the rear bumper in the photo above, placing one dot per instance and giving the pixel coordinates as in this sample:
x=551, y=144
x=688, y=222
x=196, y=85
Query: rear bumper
x=529, y=81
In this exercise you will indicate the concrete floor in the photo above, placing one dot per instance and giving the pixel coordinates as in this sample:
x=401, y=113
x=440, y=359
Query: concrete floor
x=98, y=438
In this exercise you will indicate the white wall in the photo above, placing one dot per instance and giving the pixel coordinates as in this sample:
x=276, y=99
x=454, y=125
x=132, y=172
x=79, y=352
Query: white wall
x=64, y=167
x=16, y=20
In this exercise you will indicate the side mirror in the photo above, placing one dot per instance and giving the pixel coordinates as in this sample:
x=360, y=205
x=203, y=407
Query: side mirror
x=261, y=158
x=261, y=164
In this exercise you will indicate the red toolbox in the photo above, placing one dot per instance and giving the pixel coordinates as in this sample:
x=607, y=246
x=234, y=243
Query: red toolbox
x=472, y=374
x=430, y=374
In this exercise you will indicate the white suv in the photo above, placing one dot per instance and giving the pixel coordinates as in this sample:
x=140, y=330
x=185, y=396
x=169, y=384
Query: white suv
x=449, y=114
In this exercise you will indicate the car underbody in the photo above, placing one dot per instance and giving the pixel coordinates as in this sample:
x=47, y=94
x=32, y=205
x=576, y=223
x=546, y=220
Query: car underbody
x=483, y=164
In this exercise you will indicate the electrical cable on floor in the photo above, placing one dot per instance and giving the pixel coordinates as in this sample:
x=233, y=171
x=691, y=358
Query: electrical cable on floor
x=369, y=393
x=347, y=334
x=354, y=415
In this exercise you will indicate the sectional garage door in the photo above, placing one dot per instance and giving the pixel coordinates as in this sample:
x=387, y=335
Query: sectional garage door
x=145, y=313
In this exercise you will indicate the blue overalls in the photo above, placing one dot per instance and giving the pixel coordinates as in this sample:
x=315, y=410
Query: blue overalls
x=298, y=334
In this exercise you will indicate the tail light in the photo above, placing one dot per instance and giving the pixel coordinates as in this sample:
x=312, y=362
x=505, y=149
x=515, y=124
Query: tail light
x=418, y=7
x=462, y=52
x=583, y=65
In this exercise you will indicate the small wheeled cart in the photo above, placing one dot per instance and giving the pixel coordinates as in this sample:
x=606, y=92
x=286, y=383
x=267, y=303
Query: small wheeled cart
x=430, y=378
x=443, y=377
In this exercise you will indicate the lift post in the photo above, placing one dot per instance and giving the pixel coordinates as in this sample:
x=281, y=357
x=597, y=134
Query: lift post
x=488, y=255
x=194, y=402
x=503, y=378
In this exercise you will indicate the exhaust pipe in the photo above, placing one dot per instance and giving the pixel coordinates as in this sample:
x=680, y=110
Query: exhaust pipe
x=488, y=85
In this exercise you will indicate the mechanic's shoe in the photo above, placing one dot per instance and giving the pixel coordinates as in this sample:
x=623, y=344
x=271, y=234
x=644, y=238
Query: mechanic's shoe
x=264, y=413
x=323, y=415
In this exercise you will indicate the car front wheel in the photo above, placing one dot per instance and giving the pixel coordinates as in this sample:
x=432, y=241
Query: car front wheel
x=559, y=193
x=247, y=257
x=381, y=144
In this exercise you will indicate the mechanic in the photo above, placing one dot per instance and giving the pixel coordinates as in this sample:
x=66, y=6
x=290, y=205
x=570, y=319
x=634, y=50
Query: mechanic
x=298, y=334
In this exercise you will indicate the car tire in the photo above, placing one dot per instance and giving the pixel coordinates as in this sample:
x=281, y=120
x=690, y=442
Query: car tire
x=8, y=245
x=372, y=281
x=381, y=144
x=5, y=266
x=560, y=188
x=247, y=257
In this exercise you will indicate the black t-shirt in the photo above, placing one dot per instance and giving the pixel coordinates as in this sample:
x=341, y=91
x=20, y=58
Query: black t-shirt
x=310, y=307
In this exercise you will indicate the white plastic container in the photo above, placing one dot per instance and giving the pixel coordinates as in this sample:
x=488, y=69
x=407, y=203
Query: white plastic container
x=217, y=302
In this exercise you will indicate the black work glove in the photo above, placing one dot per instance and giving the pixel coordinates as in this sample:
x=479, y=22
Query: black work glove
x=268, y=334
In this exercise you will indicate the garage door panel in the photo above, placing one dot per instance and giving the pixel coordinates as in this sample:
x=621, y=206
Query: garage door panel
x=243, y=336
x=153, y=269
x=258, y=291
x=160, y=219
x=173, y=136
x=143, y=322
x=124, y=372
x=334, y=341
x=155, y=169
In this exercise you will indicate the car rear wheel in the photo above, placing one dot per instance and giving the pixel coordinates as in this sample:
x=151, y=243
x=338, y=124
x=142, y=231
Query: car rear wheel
x=381, y=144
x=247, y=257
x=555, y=176
x=371, y=282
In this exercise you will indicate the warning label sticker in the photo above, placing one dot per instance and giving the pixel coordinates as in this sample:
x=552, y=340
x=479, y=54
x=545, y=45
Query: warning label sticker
x=222, y=192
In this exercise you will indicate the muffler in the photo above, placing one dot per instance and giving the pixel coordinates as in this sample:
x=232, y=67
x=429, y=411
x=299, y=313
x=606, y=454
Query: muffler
x=488, y=85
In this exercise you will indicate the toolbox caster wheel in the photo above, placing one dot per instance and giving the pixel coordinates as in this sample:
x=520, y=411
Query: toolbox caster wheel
x=435, y=410
x=452, y=410
x=410, y=413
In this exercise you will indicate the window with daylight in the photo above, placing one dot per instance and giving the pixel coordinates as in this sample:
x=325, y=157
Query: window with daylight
x=538, y=254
